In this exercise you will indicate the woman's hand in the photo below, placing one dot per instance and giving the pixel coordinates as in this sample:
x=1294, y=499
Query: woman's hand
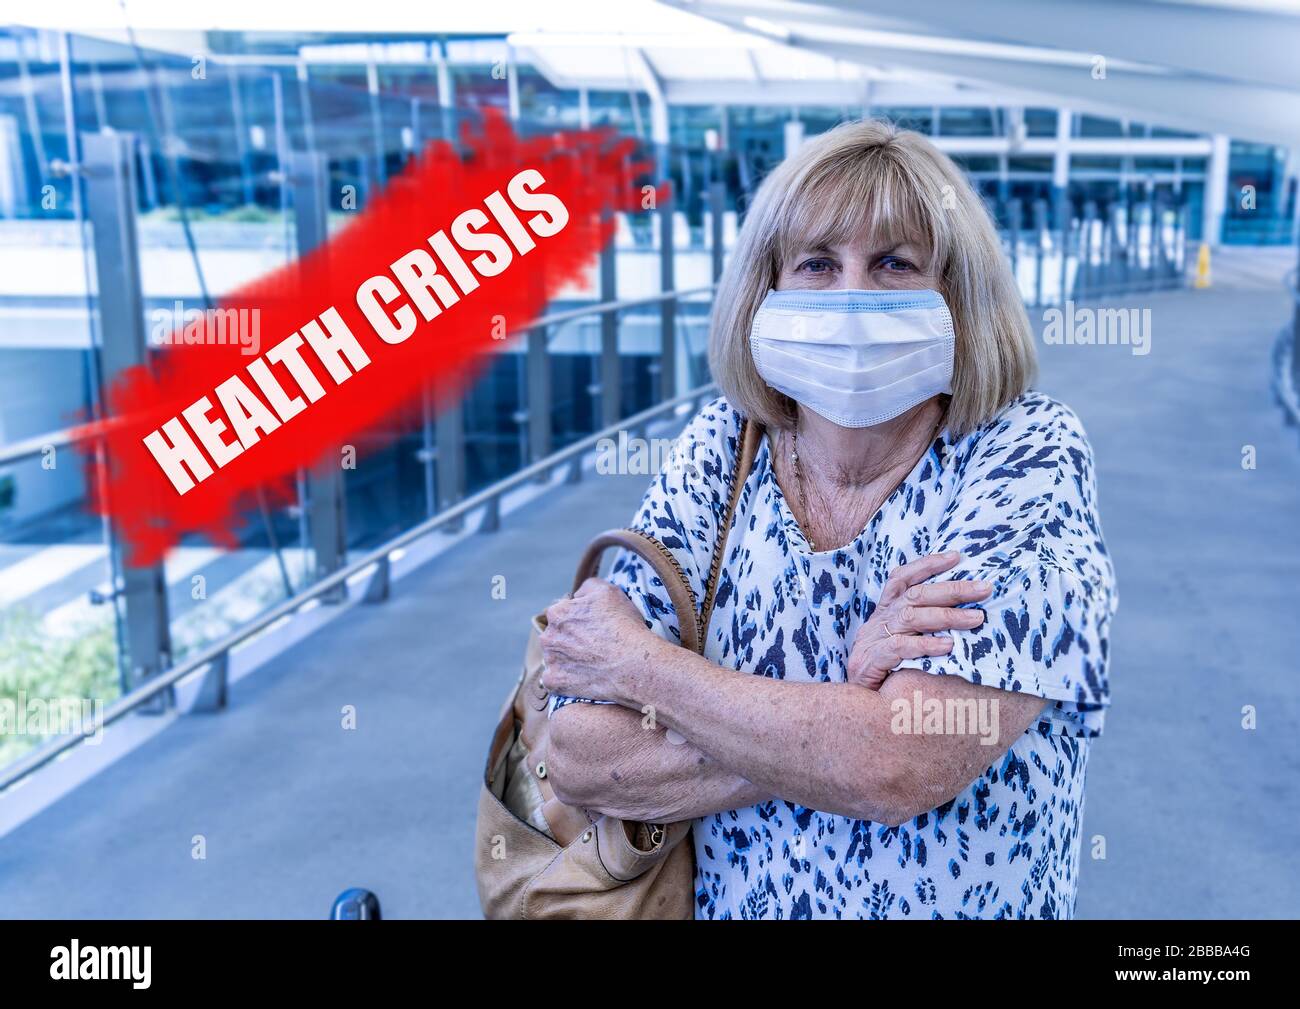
x=591, y=639
x=907, y=609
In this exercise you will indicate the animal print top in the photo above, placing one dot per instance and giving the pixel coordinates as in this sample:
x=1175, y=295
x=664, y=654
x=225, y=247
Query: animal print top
x=1017, y=498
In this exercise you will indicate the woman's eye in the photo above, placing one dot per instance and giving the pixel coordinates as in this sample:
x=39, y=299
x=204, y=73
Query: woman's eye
x=896, y=264
x=815, y=266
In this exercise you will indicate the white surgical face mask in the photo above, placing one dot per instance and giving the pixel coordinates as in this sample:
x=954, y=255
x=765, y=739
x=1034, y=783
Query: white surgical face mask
x=856, y=357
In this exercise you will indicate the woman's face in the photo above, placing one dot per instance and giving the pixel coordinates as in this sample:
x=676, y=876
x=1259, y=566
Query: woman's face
x=863, y=264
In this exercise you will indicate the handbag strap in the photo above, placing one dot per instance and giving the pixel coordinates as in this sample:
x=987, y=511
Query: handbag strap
x=751, y=433
x=665, y=565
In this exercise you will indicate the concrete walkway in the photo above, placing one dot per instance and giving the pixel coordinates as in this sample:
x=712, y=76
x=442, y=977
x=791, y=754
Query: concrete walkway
x=1197, y=813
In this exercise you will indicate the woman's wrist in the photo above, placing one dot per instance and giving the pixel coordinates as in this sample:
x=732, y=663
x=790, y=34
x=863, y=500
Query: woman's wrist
x=635, y=677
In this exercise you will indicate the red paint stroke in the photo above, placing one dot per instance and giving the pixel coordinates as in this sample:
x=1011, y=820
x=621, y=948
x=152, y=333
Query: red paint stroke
x=592, y=172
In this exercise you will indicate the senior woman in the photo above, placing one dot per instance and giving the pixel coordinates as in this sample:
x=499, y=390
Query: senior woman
x=907, y=659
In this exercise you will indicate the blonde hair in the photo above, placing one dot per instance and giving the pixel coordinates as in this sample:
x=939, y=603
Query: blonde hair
x=896, y=186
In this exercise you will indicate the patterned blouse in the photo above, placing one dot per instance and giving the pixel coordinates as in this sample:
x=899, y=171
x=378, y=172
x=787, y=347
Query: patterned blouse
x=1017, y=498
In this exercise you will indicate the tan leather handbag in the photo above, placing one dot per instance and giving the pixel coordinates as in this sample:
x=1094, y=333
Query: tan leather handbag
x=534, y=856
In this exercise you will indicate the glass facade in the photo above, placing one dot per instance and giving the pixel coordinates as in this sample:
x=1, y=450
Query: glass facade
x=1260, y=206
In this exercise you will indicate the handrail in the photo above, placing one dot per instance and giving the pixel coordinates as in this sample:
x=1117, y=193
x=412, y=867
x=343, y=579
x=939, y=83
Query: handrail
x=378, y=558
x=30, y=447
x=568, y=315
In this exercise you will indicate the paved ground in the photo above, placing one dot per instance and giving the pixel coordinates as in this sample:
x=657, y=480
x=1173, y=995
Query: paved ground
x=1197, y=813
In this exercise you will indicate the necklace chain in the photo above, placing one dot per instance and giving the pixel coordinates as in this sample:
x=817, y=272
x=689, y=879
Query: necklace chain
x=799, y=481
x=799, y=474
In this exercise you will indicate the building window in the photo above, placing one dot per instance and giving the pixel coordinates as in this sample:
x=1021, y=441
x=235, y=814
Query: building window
x=920, y=119
x=1040, y=122
x=972, y=122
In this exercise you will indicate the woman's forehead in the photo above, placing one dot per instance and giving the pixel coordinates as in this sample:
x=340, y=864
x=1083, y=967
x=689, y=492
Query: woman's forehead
x=861, y=236
x=861, y=214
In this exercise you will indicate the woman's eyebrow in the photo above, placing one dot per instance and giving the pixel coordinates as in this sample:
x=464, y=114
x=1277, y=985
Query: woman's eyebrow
x=820, y=248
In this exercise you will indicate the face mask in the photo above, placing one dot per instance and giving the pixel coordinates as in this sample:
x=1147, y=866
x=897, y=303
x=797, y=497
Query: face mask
x=856, y=357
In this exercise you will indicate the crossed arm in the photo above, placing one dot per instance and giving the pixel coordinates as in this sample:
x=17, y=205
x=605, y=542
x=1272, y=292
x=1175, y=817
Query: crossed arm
x=827, y=746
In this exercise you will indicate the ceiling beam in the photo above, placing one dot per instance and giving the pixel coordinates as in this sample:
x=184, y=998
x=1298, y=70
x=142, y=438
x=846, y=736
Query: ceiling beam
x=1235, y=43
x=1245, y=111
x=1239, y=108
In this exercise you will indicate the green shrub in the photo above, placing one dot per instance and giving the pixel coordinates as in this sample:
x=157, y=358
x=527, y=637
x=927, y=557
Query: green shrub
x=34, y=663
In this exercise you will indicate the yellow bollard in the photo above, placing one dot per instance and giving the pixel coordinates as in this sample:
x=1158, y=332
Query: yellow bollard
x=1203, y=266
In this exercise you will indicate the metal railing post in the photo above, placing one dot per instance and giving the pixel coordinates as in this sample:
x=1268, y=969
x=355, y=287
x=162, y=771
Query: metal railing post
x=426, y=455
x=380, y=584
x=717, y=201
x=1015, y=220
x=307, y=173
x=1181, y=247
x=1153, y=226
x=611, y=367
x=1118, y=248
x=668, y=307
x=214, y=689
x=449, y=438
x=110, y=180
x=539, y=394
x=1157, y=238
x=1086, y=279
x=491, y=519
x=1040, y=236
x=376, y=124
x=1067, y=242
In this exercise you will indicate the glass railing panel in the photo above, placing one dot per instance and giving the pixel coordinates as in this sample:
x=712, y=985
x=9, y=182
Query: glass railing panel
x=495, y=419
x=210, y=219
x=574, y=350
x=387, y=476
x=58, y=648
x=58, y=615
x=214, y=211
x=640, y=355
x=692, y=324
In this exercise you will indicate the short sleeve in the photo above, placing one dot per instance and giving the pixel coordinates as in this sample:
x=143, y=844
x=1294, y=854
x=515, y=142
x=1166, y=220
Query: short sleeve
x=682, y=509
x=1023, y=515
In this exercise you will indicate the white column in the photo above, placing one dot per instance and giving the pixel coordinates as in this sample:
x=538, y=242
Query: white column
x=1216, y=189
x=659, y=132
x=13, y=181
x=1061, y=167
x=793, y=136
x=445, y=97
x=1061, y=153
x=512, y=83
